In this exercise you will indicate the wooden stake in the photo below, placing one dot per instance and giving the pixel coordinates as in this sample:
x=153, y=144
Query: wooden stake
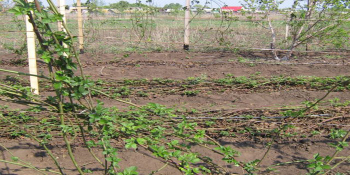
x=80, y=28
x=62, y=9
x=287, y=32
x=34, y=85
x=187, y=26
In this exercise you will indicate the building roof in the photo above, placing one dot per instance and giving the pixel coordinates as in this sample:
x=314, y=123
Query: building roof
x=232, y=8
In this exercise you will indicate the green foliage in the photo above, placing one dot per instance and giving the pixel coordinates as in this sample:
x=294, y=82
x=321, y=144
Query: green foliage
x=194, y=80
x=327, y=17
x=175, y=6
x=191, y=93
x=122, y=91
x=229, y=153
x=158, y=109
x=251, y=166
x=129, y=171
x=142, y=94
x=336, y=102
x=317, y=164
x=143, y=24
x=337, y=133
x=148, y=126
x=121, y=5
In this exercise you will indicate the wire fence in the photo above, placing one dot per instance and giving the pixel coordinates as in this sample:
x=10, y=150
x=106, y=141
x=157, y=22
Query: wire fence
x=113, y=33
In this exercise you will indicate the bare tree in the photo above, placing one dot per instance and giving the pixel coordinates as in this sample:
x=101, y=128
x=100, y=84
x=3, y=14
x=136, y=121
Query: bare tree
x=306, y=21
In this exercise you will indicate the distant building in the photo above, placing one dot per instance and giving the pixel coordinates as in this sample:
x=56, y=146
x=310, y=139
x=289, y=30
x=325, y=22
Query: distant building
x=231, y=8
x=169, y=10
x=133, y=10
x=110, y=11
x=75, y=10
x=207, y=10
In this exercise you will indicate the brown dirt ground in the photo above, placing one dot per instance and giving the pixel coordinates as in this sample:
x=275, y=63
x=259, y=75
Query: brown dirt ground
x=179, y=66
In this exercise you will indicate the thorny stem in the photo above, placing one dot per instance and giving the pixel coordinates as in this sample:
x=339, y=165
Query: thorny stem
x=268, y=150
x=36, y=30
x=13, y=91
x=105, y=156
x=122, y=101
x=338, y=151
x=31, y=167
x=76, y=55
x=318, y=101
x=40, y=142
x=59, y=95
x=301, y=112
x=24, y=163
x=70, y=152
x=88, y=147
x=217, y=143
x=224, y=171
x=22, y=73
x=167, y=160
x=336, y=165
x=285, y=163
x=166, y=164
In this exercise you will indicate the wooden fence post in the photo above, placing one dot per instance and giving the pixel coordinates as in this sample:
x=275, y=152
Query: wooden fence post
x=80, y=28
x=62, y=10
x=187, y=26
x=34, y=85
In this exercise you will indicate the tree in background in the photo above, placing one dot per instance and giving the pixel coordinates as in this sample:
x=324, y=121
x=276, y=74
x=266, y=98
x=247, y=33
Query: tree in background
x=149, y=2
x=94, y=5
x=319, y=20
x=121, y=5
x=5, y=4
x=175, y=6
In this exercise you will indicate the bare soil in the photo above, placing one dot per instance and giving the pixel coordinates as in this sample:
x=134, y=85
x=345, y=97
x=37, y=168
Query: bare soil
x=212, y=101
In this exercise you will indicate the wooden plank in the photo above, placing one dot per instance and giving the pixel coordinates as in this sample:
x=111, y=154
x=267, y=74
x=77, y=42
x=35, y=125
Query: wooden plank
x=34, y=85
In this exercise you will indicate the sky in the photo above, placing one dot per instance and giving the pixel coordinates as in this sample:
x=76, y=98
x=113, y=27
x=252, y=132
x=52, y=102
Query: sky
x=161, y=3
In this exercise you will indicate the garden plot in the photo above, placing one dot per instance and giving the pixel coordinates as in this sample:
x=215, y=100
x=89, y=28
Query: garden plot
x=238, y=100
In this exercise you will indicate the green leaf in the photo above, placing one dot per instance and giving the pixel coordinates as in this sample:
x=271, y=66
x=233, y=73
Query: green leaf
x=130, y=143
x=129, y=171
x=15, y=159
x=326, y=167
x=103, y=121
x=141, y=141
x=46, y=20
x=58, y=85
x=318, y=168
x=195, y=160
x=81, y=89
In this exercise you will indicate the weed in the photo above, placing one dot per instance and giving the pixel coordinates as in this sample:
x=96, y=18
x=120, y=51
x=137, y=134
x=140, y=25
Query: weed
x=315, y=132
x=224, y=133
x=194, y=80
x=209, y=123
x=242, y=60
x=135, y=82
x=162, y=81
x=191, y=93
x=142, y=94
x=336, y=102
x=123, y=91
x=19, y=62
x=309, y=104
